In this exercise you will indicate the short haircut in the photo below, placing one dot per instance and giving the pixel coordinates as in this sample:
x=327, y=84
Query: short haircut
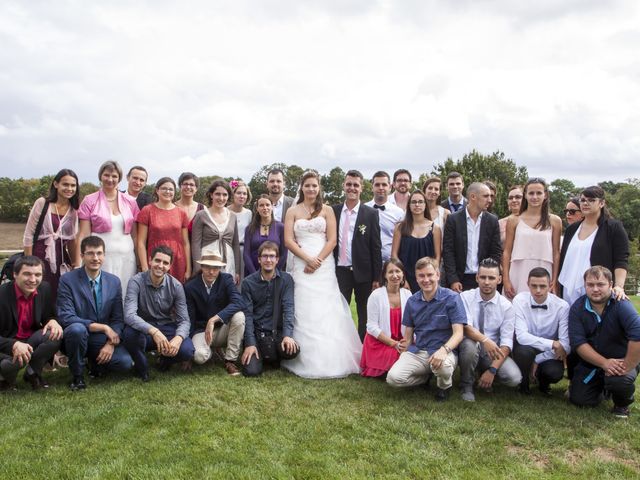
x=188, y=176
x=275, y=171
x=269, y=245
x=236, y=184
x=161, y=182
x=453, y=175
x=539, y=272
x=109, y=165
x=400, y=171
x=137, y=167
x=381, y=173
x=475, y=188
x=164, y=250
x=27, y=261
x=598, y=271
x=490, y=263
x=92, y=241
x=491, y=185
x=354, y=173
x=425, y=262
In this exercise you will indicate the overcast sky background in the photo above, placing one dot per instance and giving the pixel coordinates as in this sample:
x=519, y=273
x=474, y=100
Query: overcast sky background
x=224, y=87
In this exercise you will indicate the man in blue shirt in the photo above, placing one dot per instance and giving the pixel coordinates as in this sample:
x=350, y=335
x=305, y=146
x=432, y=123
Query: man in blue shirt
x=436, y=316
x=605, y=333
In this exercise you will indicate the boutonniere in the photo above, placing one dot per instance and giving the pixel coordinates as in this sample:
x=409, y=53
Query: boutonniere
x=362, y=228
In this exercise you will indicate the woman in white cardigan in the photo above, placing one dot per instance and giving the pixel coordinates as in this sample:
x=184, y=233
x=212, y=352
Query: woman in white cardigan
x=383, y=343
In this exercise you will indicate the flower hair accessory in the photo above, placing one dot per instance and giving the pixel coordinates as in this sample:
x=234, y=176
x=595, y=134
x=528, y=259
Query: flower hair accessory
x=234, y=183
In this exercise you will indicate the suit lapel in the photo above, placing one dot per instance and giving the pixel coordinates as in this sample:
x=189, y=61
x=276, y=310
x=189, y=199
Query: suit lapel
x=13, y=301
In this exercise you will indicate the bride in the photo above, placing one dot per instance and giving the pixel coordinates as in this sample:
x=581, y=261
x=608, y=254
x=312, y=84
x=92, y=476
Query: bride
x=324, y=329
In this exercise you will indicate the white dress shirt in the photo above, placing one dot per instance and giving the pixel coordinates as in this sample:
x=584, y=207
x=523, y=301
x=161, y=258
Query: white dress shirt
x=499, y=316
x=389, y=217
x=538, y=328
x=277, y=208
x=352, y=227
x=473, y=237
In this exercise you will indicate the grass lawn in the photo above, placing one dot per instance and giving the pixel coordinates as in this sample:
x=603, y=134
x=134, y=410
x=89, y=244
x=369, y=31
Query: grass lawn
x=207, y=424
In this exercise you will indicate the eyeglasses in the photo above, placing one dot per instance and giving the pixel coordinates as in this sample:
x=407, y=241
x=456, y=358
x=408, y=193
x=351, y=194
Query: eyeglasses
x=166, y=190
x=417, y=202
x=570, y=211
x=514, y=197
x=188, y=185
x=268, y=257
x=588, y=200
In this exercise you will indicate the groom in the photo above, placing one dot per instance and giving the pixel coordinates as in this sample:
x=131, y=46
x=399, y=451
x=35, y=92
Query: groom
x=358, y=253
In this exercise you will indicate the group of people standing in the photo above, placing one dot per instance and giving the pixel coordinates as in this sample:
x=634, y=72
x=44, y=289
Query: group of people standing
x=425, y=274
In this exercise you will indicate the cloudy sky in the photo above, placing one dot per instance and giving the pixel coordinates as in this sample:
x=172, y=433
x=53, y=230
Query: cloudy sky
x=224, y=87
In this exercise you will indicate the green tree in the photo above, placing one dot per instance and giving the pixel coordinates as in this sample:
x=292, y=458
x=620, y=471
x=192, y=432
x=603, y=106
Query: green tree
x=477, y=167
x=625, y=206
x=292, y=175
x=332, y=186
x=561, y=190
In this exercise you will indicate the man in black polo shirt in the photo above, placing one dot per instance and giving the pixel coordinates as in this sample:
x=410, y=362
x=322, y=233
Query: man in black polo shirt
x=606, y=335
x=268, y=299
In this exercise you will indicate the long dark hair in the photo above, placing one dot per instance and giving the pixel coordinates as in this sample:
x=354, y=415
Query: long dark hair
x=545, y=220
x=406, y=225
x=428, y=182
x=597, y=192
x=397, y=263
x=53, y=191
x=256, y=219
x=212, y=188
x=317, y=206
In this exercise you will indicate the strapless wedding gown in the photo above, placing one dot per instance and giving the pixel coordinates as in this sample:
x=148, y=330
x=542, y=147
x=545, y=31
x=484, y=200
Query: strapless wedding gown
x=329, y=343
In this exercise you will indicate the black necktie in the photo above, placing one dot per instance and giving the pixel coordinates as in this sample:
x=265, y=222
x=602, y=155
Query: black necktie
x=544, y=307
x=95, y=295
x=379, y=207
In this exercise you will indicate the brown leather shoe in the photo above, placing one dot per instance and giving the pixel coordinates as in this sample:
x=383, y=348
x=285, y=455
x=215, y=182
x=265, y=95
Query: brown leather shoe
x=231, y=368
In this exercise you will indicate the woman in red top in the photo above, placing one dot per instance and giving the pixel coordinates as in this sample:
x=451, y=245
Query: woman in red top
x=162, y=223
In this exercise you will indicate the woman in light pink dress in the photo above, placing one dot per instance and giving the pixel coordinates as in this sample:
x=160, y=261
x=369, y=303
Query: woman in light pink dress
x=532, y=240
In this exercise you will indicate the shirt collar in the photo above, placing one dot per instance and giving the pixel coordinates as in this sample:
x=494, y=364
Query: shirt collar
x=20, y=295
x=354, y=210
x=589, y=308
x=466, y=212
x=494, y=300
x=205, y=283
x=150, y=283
x=279, y=202
x=277, y=274
x=97, y=279
x=437, y=296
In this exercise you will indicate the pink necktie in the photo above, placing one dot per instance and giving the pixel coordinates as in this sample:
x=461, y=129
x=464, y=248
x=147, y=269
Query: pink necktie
x=345, y=238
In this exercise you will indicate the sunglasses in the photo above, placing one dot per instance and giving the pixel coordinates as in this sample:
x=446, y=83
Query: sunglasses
x=570, y=211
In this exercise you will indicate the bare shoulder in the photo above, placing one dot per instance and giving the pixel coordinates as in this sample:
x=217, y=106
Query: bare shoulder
x=327, y=212
x=556, y=222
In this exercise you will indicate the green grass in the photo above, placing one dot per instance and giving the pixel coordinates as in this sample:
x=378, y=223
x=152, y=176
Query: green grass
x=207, y=424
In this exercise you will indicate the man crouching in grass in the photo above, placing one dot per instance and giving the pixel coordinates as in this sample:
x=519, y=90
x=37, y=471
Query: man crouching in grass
x=155, y=314
x=437, y=318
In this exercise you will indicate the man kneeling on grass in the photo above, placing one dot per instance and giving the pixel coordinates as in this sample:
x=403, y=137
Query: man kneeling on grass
x=268, y=302
x=605, y=333
x=489, y=334
x=215, y=310
x=155, y=314
x=29, y=333
x=436, y=316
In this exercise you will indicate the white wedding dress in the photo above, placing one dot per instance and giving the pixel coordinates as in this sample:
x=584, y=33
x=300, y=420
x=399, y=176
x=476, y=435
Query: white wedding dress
x=329, y=343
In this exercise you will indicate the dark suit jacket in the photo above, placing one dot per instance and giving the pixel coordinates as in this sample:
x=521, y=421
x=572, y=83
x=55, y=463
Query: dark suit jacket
x=610, y=247
x=454, y=249
x=366, y=248
x=42, y=312
x=224, y=300
x=75, y=302
x=446, y=205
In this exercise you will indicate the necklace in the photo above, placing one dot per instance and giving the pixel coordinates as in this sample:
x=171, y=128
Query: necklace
x=306, y=209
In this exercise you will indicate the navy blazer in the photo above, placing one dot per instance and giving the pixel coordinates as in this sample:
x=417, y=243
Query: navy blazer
x=42, y=313
x=224, y=300
x=454, y=249
x=75, y=302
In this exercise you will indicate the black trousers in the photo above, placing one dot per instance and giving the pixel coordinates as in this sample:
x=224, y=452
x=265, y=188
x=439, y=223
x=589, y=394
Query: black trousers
x=270, y=352
x=587, y=387
x=548, y=372
x=348, y=285
x=43, y=349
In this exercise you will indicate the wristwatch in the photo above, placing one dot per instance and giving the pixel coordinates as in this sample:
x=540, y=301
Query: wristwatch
x=492, y=370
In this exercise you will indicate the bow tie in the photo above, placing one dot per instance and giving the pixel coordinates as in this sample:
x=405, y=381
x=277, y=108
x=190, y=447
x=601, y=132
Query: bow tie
x=544, y=307
x=379, y=207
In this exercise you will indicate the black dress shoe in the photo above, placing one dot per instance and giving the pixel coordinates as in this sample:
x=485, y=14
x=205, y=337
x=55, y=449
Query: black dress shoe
x=7, y=387
x=144, y=376
x=545, y=389
x=78, y=383
x=35, y=380
x=524, y=389
x=163, y=364
x=442, y=395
